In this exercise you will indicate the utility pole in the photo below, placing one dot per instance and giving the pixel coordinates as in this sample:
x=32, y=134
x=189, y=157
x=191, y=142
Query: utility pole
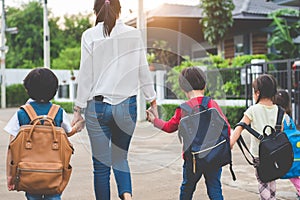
x=3, y=49
x=141, y=24
x=46, y=37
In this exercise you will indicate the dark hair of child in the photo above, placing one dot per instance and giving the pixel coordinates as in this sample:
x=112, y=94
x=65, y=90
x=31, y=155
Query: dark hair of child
x=41, y=84
x=192, y=78
x=283, y=99
x=266, y=85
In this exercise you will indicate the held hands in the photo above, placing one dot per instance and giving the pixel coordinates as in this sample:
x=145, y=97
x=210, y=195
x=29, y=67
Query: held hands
x=79, y=125
x=78, y=122
x=152, y=113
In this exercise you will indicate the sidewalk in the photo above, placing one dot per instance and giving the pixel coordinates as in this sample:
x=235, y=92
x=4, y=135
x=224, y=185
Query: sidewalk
x=156, y=165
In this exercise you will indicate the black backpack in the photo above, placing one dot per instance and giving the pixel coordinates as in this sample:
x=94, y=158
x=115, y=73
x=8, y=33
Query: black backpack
x=204, y=133
x=275, y=151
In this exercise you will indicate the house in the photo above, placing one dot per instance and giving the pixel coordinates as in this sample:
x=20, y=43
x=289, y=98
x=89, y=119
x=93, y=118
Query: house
x=295, y=3
x=179, y=26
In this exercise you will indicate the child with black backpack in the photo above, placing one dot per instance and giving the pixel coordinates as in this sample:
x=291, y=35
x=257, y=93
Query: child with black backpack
x=282, y=98
x=41, y=85
x=262, y=113
x=192, y=81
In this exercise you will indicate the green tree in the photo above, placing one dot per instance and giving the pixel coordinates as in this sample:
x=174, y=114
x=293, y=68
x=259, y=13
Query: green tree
x=74, y=26
x=284, y=32
x=69, y=58
x=217, y=19
x=26, y=47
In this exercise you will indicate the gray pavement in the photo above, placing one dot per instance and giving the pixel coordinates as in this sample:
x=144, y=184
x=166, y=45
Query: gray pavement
x=156, y=165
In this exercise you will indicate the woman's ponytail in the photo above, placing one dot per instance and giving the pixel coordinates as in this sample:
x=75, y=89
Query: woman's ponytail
x=107, y=11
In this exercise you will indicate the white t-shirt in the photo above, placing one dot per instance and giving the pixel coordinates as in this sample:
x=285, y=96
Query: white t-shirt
x=115, y=66
x=260, y=116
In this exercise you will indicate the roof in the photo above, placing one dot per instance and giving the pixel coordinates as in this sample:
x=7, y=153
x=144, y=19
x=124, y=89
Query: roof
x=255, y=8
x=244, y=9
x=175, y=10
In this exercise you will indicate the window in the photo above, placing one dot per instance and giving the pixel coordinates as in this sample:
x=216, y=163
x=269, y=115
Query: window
x=238, y=45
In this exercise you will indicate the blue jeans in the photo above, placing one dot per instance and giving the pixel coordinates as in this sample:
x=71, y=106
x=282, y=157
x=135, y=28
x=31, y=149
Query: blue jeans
x=190, y=180
x=42, y=197
x=110, y=129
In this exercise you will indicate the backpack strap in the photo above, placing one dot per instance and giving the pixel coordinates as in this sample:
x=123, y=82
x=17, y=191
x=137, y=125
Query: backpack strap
x=33, y=116
x=30, y=111
x=190, y=110
x=280, y=115
x=186, y=108
x=250, y=130
x=53, y=111
x=242, y=145
x=205, y=102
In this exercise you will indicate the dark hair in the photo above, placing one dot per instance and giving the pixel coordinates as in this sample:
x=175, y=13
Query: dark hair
x=282, y=98
x=192, y=78
x=266, y=85
x=107, y=11
x=41, y=84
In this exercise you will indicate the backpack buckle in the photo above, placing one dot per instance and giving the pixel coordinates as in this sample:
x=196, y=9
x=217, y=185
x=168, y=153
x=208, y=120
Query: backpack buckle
x=278, y=128
x=28, y=145
x=55, y=146
x=260, y=137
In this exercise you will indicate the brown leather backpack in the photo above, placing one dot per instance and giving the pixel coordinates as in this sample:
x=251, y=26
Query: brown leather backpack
x=41, y=154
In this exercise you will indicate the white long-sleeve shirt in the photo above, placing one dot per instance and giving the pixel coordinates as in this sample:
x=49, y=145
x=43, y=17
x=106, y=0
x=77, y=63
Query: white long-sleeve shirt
x=114, y=67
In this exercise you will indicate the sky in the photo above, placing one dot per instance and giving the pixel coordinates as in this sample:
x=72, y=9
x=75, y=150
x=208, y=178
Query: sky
x=62, y=7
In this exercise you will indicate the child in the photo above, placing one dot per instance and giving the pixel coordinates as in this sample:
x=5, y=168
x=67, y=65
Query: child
x=41, y=85
x=263, y=113
x=192, y=81
x=283, y=99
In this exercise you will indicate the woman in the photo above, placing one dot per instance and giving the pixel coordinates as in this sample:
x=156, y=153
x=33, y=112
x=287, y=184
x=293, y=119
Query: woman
x=113, y=67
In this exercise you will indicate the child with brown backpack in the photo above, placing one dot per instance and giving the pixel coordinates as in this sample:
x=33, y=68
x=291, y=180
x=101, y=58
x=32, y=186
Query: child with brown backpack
x=39, y=152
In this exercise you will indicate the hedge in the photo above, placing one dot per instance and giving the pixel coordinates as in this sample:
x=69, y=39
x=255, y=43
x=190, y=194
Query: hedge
x=16, y=96
x=233, y=113
x=67, y=106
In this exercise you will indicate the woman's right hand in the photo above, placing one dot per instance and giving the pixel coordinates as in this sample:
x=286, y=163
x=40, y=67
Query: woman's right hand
x=153, y=108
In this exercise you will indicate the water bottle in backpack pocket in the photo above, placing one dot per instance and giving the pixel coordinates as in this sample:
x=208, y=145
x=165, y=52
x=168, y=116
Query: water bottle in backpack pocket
x=294, y=137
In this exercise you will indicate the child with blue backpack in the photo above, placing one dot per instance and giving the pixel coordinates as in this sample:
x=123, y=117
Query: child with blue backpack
x=283, y=99
x=192, y=81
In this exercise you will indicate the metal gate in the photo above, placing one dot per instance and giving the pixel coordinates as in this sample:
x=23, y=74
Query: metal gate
x=287, y=74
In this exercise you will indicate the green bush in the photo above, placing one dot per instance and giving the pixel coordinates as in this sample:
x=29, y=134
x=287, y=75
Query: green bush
x=223, y=75
x=166, y=111
x=233, y=113
x=16, y=95
x=67, y=106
